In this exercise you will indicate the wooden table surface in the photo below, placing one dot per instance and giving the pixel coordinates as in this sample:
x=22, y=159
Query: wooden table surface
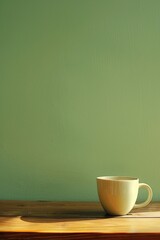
x=75, y=220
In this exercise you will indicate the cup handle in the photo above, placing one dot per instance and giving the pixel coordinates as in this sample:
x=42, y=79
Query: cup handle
x=150, y=194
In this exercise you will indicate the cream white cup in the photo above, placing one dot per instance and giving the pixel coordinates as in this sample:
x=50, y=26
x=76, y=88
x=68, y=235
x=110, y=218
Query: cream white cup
x=118, y=194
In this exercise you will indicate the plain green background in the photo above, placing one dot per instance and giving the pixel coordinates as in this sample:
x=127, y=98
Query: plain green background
x=79, y=96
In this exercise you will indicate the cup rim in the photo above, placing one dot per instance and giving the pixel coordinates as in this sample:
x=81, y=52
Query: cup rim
x=117, y=178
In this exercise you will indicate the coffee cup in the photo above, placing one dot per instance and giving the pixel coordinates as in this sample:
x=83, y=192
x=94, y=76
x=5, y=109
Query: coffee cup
x=118, y=194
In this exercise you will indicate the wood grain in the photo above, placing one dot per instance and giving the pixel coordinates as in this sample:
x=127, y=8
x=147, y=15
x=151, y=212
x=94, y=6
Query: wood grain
x=75, y=220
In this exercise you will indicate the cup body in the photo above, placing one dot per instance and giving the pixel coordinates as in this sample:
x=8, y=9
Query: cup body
x=117, y=194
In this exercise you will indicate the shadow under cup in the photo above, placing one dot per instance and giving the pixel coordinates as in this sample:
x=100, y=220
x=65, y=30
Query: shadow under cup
x=118, y=194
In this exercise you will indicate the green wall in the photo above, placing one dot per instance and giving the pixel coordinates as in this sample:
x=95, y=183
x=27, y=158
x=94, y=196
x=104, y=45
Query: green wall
x=79, y=96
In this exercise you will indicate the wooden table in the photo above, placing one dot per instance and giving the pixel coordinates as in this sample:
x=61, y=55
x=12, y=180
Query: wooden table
x=75, y=220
